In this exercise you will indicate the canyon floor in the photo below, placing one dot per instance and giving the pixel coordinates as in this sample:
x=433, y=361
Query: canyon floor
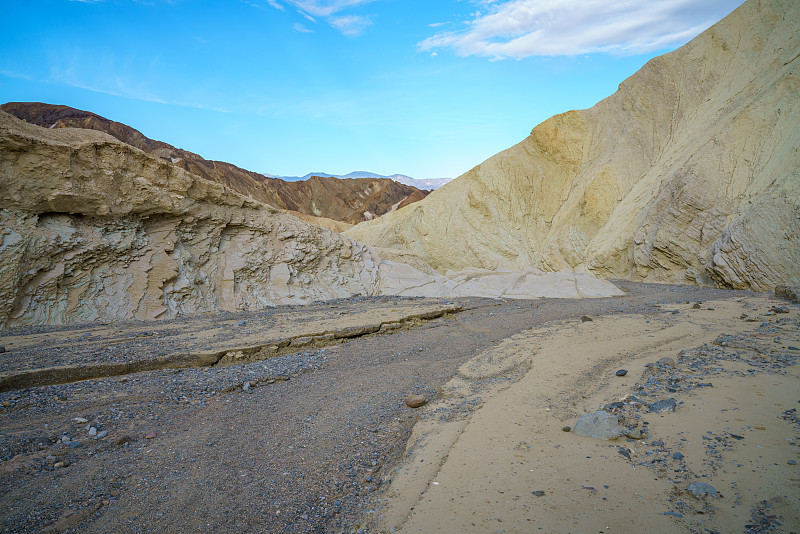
x=293, y=419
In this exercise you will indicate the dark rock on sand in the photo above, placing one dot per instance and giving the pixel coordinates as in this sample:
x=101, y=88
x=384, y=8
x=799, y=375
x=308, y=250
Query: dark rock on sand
x=664, y=405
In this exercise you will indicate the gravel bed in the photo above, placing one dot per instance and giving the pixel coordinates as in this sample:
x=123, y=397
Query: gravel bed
x=302, y=448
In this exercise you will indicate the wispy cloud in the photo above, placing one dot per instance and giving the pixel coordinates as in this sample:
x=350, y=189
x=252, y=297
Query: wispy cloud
x=16, y=75
x=523, y=28
x=350, y=25
x=330, y=11
x=70, y=75
x=302, y=29
x=326, y=8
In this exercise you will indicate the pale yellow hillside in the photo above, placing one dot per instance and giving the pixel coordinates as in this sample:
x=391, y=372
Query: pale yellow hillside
x=688, y=173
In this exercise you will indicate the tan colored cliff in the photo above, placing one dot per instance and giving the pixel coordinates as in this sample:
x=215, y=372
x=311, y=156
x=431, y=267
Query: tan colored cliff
x=346, y=200
x=689, y=173
x=94, y=229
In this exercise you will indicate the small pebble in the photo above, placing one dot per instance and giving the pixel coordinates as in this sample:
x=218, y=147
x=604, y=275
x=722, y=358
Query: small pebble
x=2, y=349
x=80, y=419
x=566, y=428
x=151, y=435
x=92, y=431
x=792, y=462
x=586, y=318
x=677, y=456
x=622, y=372
x=415, y=401
x=7, y=404
x=539, y=493
x=102, y=434
x=75, y=444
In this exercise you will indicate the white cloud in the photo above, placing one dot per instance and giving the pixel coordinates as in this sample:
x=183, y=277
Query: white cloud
x=523, y=28
x=326, y=8
x=350, y=25
x=302, y=29
x=276, y=5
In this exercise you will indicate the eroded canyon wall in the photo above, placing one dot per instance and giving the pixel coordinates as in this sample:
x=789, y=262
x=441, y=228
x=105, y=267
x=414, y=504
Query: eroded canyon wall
x=94, y=229
x=348, y=201
x=689, y=173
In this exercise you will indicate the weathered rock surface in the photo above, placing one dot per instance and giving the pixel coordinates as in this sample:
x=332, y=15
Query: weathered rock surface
x=94, y=229
x=689, y=173
x=408, y=281
x=788, y=293
x=350, y=201
x=599, y=425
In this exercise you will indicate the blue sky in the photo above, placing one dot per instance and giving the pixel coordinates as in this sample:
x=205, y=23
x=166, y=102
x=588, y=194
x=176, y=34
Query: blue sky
x=427, y=88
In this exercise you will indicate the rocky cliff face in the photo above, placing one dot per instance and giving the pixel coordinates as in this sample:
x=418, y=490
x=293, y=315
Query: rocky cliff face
x=94, y=229
x=689, y=173
x=349, y=201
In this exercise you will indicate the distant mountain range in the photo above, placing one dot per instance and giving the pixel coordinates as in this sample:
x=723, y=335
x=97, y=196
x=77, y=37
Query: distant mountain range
x=322, y=200
x=419, y=183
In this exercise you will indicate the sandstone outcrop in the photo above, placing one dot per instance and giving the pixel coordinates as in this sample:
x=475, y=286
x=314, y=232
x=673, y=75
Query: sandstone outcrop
x=95, y=229
x=689, y=173
x=350, y=201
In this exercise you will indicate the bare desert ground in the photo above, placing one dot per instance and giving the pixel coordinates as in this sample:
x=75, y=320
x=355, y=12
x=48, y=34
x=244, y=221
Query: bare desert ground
x=293, y=419
x=708, y=403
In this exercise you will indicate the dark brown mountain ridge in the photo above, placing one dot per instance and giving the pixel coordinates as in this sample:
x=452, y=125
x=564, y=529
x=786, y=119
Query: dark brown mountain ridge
x=350, y=200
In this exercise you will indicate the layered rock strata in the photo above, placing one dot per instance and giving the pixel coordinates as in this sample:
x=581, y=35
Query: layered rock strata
x=349, y=201
x=689, y=173
x=94, y=229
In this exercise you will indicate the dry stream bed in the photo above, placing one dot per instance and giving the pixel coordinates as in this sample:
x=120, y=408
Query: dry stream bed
x=284, y=420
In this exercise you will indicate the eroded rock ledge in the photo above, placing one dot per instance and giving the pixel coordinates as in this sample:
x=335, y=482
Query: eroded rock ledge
x=94, y=229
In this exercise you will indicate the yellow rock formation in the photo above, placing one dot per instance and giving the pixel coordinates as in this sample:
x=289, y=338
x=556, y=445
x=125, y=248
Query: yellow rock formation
x=689, y=173
x=95, y=229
